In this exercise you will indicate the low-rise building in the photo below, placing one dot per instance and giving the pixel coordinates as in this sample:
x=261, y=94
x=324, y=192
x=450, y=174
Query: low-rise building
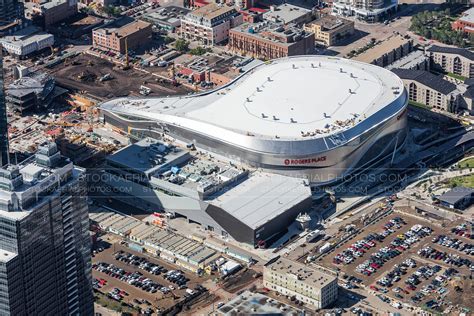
x=288, y=14
x=120, y=33
x=166, y=18
x=26, y=41
x=55, y=11
x=458, y=61
x=459, y=198
x=314, y=287
x=249, y=303
x=210, y=24
x=267, y=40
x=465, y=23
x=428, y=89
x=330, y=29
x=386, y=52
x=416, y=60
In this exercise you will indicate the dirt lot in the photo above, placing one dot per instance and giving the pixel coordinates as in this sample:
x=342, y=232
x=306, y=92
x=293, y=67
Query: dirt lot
x=158, y=300
x=122, y=83
x=464, y=297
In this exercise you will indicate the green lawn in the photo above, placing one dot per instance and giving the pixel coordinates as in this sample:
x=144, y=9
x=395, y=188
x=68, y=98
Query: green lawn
x=463, y=181
x=420, y=105
x=109, y=303
x=459, y=77
x=467, y=163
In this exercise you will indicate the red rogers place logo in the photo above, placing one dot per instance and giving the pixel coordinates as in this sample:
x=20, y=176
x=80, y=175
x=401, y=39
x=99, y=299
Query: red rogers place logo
x=304, y=161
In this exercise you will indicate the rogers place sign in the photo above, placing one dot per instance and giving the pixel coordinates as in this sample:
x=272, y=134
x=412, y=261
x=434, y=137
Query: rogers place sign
x=306, y=161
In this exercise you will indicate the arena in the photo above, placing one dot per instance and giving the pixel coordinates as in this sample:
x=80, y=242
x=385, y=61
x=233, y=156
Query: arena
x=316, y=117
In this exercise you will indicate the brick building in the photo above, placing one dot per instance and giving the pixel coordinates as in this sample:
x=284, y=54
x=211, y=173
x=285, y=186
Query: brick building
x=465, y=23
x=112, y=36
x=268, y=40
x=53, y=12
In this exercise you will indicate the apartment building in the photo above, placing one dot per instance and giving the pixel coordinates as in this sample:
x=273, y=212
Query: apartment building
x=313, y=287
x=210, y=24
x=114, y=35
x=465, y=23
x=428, y=89
x=45, y=248
x=267, y=40
x=387, y=52
x=329, y=29
x=458, y=61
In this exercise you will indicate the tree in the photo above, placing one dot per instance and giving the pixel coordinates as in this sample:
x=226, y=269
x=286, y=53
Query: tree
x=198, y=51
x=181, y=45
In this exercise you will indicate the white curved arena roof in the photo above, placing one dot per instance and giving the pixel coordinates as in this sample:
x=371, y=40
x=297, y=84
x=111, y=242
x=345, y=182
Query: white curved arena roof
x=289, y=98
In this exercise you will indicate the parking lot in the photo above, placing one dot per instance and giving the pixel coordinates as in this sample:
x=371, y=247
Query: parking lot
x=407, y=259
x=139, y=280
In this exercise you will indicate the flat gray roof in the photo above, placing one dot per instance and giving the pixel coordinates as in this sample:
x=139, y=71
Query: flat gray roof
x=262, y=197
x=142, y=158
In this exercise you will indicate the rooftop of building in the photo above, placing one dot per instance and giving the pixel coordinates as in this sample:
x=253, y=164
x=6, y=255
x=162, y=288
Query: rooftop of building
x=26, y=36
x=48, y=4
x=330, y=23
x=153, y=235
x=286, y=13
x=272, y=99
x=249, y=303
x=123, y=26
x=148, y=156
x=303, y=273
x=34, y=83
x=201, y=175
x=22, y=185
x=386, y=46
x=275, y=32
x=468, y=16
x=212, y=10
x=452, y=50
x=262, y=197
x=6, y=256
x=167, y=15
x=430, y=80
x=409, y=61
x=456, y=195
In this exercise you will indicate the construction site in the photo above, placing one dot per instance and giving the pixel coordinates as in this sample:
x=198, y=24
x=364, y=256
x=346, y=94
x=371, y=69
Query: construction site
x=71, y=118
x=102, y=79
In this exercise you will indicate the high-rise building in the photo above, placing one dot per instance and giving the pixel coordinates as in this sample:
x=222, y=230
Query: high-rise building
x=10, y=10
x=367, y=10
x=3, y=119
x=45, y=253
